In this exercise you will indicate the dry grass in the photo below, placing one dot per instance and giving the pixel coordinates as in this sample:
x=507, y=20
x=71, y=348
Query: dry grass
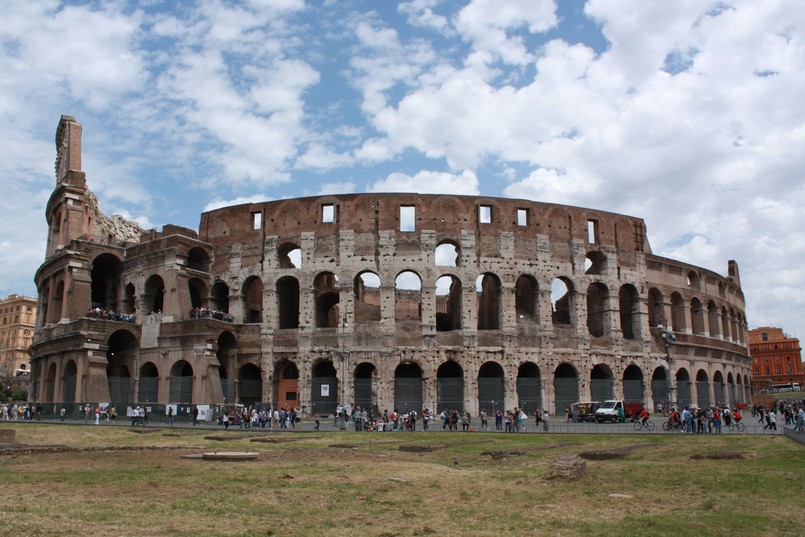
x=113, y=481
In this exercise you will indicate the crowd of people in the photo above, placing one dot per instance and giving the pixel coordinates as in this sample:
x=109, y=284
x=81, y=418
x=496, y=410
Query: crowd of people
x=793, y=412
x=20, y=412
x=110, y=315
x=203, y=313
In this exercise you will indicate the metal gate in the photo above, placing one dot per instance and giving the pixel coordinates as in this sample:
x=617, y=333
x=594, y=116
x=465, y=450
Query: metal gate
x=718, y=393
x=324, y=396
x=121, y=390
x=490, y=394
x=683, y=393
x=363, y=395
x=633, y=391
x=450, y=394
x=69, y=389
x=408, y=394
x=228, y=389
x=732, y=394
x=529, y=394
x=600, y=390
x=181, y=390
x=703, y=393
x=250, y=391
x=147, y=392
x=660, y=391
x=566, y=392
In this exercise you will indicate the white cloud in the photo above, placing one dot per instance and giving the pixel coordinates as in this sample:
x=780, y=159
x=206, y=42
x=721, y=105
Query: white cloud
x=219, y=203
x=429, y=182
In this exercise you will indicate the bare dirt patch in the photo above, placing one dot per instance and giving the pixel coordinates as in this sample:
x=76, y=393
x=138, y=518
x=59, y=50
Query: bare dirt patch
x=717, y=455
x=567, y=468
x=422, y=449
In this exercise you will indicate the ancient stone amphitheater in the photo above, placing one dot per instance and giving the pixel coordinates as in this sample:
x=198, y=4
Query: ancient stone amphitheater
x=379, y=300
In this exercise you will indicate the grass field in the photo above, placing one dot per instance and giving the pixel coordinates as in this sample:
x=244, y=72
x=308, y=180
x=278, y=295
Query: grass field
x=115, y=481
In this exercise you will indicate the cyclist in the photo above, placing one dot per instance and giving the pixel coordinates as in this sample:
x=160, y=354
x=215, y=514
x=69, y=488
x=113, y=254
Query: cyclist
x=673, y=417
x=727, y=415
x=737, y=416
x=644, y=416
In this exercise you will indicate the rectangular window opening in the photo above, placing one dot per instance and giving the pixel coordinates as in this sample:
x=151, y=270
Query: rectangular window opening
x=485, y=214
x=328, y=213
x=257, y=220
x=522, y=217
x=407, y=218
x=592, y=231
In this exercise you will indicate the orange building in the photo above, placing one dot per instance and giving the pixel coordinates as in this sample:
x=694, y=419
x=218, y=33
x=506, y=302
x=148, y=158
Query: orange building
x=776, y=358
x=17, y=323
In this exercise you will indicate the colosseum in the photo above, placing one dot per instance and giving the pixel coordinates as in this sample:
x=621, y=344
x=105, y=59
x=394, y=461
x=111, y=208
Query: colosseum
x=380, y=300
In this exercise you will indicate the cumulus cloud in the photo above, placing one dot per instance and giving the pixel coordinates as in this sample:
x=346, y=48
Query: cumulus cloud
x=219, y=203
x=429, y=182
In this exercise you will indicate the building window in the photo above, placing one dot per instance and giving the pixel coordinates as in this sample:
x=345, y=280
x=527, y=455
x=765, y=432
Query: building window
x=522, y=217
x=768, y=370
x=407, y=218
x=257, y=220
x=777, y=370
x=328, y=213
x=788, y=369
x=485, y=214
x=592, y=231
x=764, y=336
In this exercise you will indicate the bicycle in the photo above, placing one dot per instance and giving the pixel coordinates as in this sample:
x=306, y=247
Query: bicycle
x=671, y=425
x=740, y=426
x=640, y=424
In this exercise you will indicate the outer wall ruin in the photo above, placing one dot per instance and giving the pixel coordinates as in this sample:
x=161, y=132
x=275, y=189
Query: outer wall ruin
x=380, y=300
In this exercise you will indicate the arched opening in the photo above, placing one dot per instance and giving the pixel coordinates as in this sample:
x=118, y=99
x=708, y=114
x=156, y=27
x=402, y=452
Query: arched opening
x=659, y=386
x=629, y=306
x=198, y=294
x=697, y=316
x=683, y=388
x=50, y=383
x=227, y=354
x=286, y=389
x=526, y=297
x=288, y=302
x=289, y=256
x=70, y=377
x=602, y=386
x=324, y=388
x=565, y=387
x=408, y=296
x=725, y=323
x=219, y=297
x=106, y=272
x=491, y=392
x=198, y=259
x=120, y=357
x=732, y=394
x=595, y=263
x=58, y=302
x=365, y=389
x=702, y=389
x=713, y=320
x=149, y=383
x=181, y=383
x=327, y=299
x=719, y=397
x=154, y=294
x=450, y=387
x=367, y=297
x=446, y=254
x=679, y=314
x=597, y=309
x=130, y=299
x=693, y=280
x=448, y=304
x=250, y=384
x=656, y=308
x=633, y=385
x=529, y=387
x=488, y=289
x=408, y=387
x=253, y=300
x=562, y=301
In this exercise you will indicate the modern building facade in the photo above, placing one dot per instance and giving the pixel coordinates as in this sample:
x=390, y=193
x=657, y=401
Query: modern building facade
x=17, y=323
x=381, y=300
x=776, y=358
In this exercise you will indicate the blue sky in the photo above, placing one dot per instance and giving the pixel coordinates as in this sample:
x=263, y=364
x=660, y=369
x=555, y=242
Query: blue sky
x=688, y=114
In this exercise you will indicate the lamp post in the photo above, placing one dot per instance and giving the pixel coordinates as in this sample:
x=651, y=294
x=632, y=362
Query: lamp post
x=668, y=338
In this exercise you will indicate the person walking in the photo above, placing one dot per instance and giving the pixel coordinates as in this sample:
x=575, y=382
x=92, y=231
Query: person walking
x=195, y=415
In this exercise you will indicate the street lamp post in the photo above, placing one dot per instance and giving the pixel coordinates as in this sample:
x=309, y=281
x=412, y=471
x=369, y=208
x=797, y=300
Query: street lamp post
x=668, y=338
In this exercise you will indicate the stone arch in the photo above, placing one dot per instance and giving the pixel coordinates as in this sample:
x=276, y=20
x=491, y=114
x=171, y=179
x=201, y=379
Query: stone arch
x=364, y=381
x=107, y=270
x=408, y=387
x=595, y=263
x=633, y=385
x=130, y=299
x=693, y=280
x=629, y=309
x=597, y=309
x=565, y=386
x=154, y=298
x=70, y=382
x=226, y=354
x=698, y=316
x=288, y=302
x=50, y=384
x=250, y=384
x=448, y=303
x=58, y=302
x=219, y=297
x=660, y=387
x=725, y=323
x=289, y=256
x=148, y=385
x=447, y=254
x=198, y=259
x=491, y=389
x=702, y=389
x=678, y=314
x=563, y=301
x=719, y=396
x=602, y=384
x=326, y=296
x=450, y=387
x=683, y=388
x=366, y=289
x=181, y=383
x=121, y=356
x=656, y=308
x=253, y=300
x=529, y=387
x=324, y=388
x=198, y=293
x=488, y=289
x=713, y=323
x=286, y=384
x=408, y=296
x=526, y=297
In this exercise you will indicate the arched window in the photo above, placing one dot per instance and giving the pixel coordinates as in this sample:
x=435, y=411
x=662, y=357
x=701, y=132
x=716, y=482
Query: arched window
x=367, y=297
x=488, y=289
x=562, y=301
x=327, y=298
x=629, y=306
x=288, y=302
x=407, y=296
x=597, y=309
x=448, y=303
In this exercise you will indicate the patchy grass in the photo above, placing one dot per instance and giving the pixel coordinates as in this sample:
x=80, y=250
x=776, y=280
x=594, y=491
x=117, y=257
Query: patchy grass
x=112, y=481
